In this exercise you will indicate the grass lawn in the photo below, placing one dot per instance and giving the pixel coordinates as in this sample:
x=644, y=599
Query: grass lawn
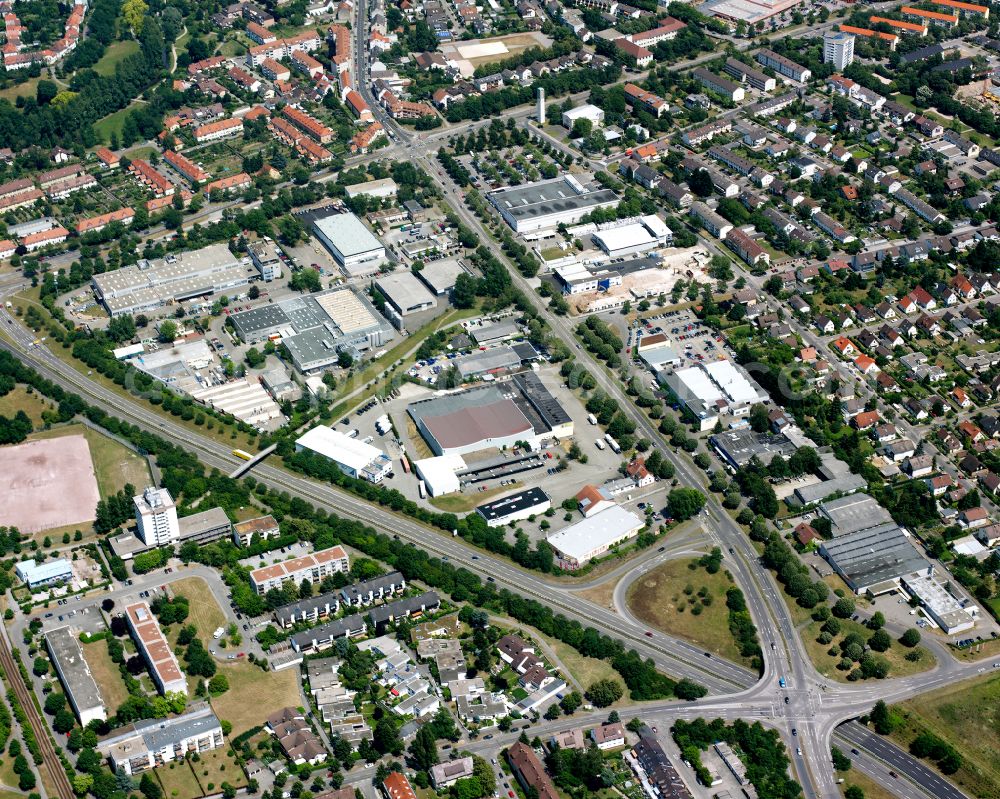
x=20, y=400
x=205, y=612
x=872, y=789
x=178, y=781
x=217, y=767
x=26, y=89
x=106, y=674
x=463, y=502
x=114, y=55
x=586, y=670
x=253, y=694
x=8, y=778
x=660, y=598
x=112, y=123
x=114, y=464
x=827, y=664
x=966, y=715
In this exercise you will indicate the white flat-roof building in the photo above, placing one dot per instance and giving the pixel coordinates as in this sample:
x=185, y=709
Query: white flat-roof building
x=156, y=515
x=352, y=245
x=267, y=258
x=440, y=474
x=647, y=233
x=710, y=389
x=838, y=49
x=354, y=457
x=585, y=111
x=74, y=674
x=386, y=187
x=50, y=572
x=149, y=285
x=951, y=614
x=580, y=543
x=548, y=203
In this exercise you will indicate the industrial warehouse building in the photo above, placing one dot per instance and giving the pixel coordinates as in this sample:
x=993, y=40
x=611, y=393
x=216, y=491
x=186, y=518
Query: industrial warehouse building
x=852, y=513
x=633, y=236
x=709, y=390
x=316, y=328
x=405, y=293
x=496, y=416
x=154, y=742
x=873, y=559
x=580, y=543
x=549, y=203
x=149, y=285
x=74, y=674
x=515, y=507
x=354, y=458
x=439, y=276
x=352, y=245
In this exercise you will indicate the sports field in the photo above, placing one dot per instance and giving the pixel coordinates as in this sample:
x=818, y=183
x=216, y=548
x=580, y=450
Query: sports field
x=48, y=483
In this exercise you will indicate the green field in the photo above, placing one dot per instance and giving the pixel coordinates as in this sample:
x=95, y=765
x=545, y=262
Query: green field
x=967, y=716
x=254, y=694
x=826, y=664
x=20, y=400
x=26, y=89
x=462, y=503
x=664, y=598
x=205, y=613
x=113, y=123
x=106, y=674
x=178, y=781
x=114, y=55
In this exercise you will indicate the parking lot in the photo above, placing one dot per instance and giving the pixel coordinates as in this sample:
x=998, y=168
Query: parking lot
x=694, y=341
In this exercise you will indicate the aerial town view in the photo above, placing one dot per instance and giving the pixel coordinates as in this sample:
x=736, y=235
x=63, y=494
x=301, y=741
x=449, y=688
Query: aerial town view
x=522, y=399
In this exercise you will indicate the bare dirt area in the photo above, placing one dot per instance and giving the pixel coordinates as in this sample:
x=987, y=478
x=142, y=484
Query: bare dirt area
x=48, y=483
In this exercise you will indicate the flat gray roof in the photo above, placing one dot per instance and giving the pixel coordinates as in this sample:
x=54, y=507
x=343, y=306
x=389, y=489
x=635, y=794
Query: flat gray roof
x=439, y=276
x=348, y=234
x=874, y=555
x=856, y=512
x=404, y=290
x=548, y=197
x=67, y=654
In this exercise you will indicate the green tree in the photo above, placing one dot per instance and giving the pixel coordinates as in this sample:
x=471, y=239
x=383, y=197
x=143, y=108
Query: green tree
x=149, y=787
x=604, y=692
x=684, y=503
x=910, y=638
x=167, y=331
x=882, y=720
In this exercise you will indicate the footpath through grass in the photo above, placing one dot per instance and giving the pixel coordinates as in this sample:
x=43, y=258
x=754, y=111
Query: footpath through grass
x=689, y=603
x=967, y=716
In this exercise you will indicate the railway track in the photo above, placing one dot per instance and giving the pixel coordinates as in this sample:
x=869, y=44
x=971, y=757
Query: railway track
x=50, y=760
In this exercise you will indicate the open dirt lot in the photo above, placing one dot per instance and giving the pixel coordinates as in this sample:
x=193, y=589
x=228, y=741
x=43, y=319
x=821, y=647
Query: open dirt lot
x=48, y=483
